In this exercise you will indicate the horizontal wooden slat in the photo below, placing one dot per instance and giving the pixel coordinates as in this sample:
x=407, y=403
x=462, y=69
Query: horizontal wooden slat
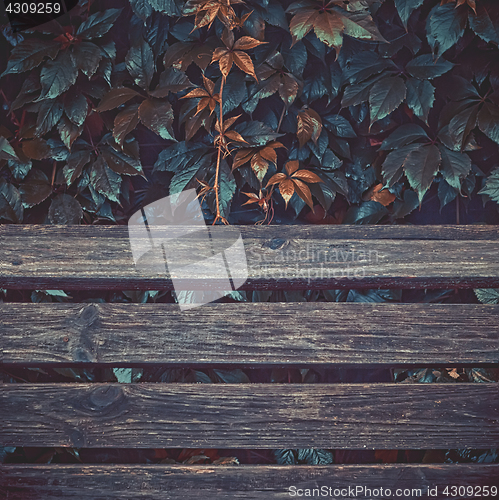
x=260, y=482
x=251, y=334
x=348, y=416
x=293, y=257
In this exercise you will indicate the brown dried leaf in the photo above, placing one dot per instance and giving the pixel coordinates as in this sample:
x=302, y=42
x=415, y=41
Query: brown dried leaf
x=244, y=63
x=246, y=43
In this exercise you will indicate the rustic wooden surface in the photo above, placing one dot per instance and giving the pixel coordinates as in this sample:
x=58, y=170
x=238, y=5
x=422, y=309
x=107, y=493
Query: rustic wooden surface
x=251, y=334
x=261, y=482
x=157, y=415
x=292, y=257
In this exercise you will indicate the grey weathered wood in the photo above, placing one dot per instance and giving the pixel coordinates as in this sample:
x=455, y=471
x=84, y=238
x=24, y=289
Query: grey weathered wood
x=260, y=482
x=251, y=334
x=348, y=416
x=293, y=257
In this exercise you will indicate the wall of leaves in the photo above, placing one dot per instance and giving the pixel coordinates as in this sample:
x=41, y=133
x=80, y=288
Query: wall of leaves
x=351, y=109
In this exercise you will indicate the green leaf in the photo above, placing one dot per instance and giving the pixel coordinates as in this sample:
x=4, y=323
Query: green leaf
x=35, y=189
x=445, y=26
x=486, y=22
x=488, y=121
x=125, y=122
x=140, y=64
x=98, y=24
x=394, y=162
x=120, y=162
x=403, y=135
x=285, y=457
x=235, y=91
x=455, y=166
x=173, y=80
x=30, y=53
x=104, y=180
x=157, y=116
x=187, y=172
x=402, y=208
x=76, y=108
x=167, y=7
x=425, y=68
x=11, y=207
x=64, y=209
x=75, y=163
x=49, y=114
x=463, y=123
x=421, y=166
x=87, y=57
x=420, y=97
x=487, y=295
x=385, y=96
x=142, y=8
x=491, y=187
x=116, y=97
x=57, y=76
x=176, y=157
x=226, y=189
x=68, y=131
x=405, y=8
x=369, y=212
x=315, y=457
x=295, y=57
x=339, y=126
x=256, y=133
x=359, y=24
x=6, y=150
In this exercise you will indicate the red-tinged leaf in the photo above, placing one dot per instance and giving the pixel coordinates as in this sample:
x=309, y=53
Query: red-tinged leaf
x=229, y=122
x=303, y=191
x=259, y=166
x=36, y=149
x=269, y=154
x=196, y=93
x=287, y=189
x=292, y=166
x=218, y=53
x=242, y=156
x=385, y=96
x=243, y=62
x=288, y=89
x=35, y=188
x=225, y=63
x=377, y=193
x=309, y=126
x=276, y=178
x=205, y=18
x=116, y=97
x=302, y=23
x=235, y=136
x=157, y=115
x=421, y=166
x=386, y=456
x=328, y=27
x=307, y=176
x=193, y=124
x=125, y=122
x=246, y=43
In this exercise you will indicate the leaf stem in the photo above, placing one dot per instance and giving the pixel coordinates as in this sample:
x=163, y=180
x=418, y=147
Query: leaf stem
x=215, y=186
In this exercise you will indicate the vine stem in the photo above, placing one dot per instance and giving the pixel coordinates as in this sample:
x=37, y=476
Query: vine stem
x=215, y=186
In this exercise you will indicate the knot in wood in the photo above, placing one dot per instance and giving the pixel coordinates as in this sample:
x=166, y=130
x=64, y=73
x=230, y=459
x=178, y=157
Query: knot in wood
x=103, y=397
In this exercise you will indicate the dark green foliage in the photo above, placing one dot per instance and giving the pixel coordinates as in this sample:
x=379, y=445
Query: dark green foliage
x=405, y=99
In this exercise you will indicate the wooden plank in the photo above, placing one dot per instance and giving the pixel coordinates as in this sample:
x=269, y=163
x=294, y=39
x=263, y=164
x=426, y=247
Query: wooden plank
x=251, y=334
x=347, y=416
x=260, y=482
x=290, y=257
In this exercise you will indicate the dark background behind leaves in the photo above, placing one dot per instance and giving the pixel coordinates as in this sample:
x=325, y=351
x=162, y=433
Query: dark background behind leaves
x=393, y=104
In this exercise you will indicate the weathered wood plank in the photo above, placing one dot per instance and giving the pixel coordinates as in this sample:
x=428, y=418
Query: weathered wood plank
x=260, y=482
x=347, y=416
x=251, y=334
x=292, y=257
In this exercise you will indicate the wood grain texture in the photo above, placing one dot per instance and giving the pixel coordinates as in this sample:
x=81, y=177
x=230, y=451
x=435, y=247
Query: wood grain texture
x=279, y=257
x=347, y=416
x=250, y=334
x=260, y=482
